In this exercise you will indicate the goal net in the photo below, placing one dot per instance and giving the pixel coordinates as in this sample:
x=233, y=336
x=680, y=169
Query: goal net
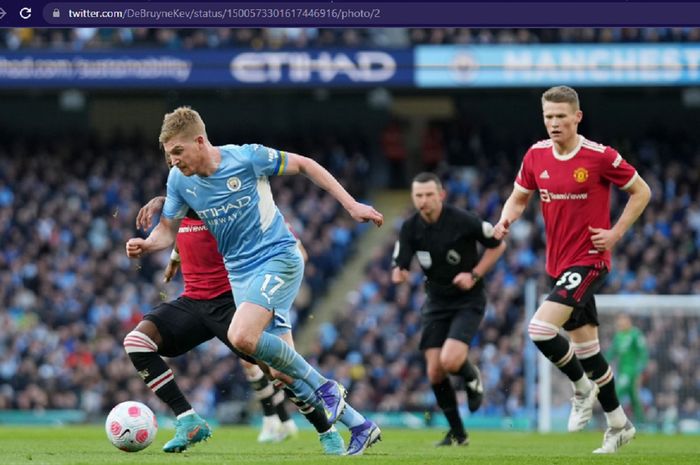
x=670, y=384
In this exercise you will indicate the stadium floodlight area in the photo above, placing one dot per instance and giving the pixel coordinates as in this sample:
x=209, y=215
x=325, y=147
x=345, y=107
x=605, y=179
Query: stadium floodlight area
x=669, y=391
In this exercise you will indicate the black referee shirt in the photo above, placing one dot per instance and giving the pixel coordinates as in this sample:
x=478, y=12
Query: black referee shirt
x=444, y=249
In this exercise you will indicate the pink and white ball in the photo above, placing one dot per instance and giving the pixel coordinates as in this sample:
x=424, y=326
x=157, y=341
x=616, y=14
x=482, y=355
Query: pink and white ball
x=131, y=426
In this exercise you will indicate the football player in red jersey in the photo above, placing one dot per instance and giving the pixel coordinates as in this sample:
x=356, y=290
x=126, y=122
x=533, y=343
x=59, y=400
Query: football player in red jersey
x=573, y=177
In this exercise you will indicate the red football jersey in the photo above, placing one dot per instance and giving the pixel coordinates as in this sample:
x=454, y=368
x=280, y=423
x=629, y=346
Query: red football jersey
x=574, y=193
x=201, y=264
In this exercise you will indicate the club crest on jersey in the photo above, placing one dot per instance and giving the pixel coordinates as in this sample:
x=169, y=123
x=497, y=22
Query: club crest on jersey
x=580, y=174
x=453, y=257
x=424, y=258
x=233, y=184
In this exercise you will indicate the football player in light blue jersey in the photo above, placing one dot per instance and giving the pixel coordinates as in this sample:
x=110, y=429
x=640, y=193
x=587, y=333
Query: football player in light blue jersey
x=228, y=188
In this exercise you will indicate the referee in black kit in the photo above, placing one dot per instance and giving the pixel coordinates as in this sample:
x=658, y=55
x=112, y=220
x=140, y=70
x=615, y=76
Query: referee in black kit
x=444, y=238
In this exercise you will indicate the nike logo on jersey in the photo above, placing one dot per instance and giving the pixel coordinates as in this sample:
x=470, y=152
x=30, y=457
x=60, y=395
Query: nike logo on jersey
x=544, y=175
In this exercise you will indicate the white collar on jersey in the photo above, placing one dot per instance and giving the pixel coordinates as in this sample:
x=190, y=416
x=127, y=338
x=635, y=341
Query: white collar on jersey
x=570, y=155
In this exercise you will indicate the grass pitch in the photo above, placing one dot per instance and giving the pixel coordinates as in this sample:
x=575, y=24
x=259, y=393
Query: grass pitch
x=77, y=445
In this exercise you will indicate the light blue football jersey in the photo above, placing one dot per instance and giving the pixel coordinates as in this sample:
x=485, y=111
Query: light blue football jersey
x=236, y=204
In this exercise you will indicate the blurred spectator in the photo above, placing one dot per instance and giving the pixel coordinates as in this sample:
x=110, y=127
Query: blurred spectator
x=393, y=145
x=304, y=38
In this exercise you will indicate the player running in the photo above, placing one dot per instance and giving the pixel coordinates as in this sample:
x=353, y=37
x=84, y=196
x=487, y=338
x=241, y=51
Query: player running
x=573, y=176
x=262, y=261
x=202, y=312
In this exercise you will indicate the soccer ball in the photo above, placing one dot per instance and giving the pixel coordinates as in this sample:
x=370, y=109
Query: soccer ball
x=131, y=426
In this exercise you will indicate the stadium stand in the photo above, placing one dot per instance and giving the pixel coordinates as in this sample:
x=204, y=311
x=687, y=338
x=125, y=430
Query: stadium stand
x=300, y=38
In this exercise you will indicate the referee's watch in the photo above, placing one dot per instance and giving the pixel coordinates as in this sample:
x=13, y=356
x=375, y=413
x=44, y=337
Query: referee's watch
x=476, y=276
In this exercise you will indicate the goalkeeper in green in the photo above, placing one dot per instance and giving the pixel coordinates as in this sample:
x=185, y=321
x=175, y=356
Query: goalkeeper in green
x=630, y=349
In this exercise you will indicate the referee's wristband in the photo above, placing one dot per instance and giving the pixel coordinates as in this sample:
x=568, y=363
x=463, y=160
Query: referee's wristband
x=174, y=256
x=476, y=276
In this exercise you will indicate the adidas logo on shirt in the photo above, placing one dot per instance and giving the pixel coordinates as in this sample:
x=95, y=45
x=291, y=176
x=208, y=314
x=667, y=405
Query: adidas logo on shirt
x=544, y=175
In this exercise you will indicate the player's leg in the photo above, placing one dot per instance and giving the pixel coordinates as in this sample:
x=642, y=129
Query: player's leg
x=454, y=360
x=434, y=332
x=637, y=407
x=289, y=428
x=627, y=386
x=454, y=355
x=577, y=288
x=169, y=331
x=274, y=286
x=622, y=386
x=219, y=320
x=620, y=430
x=544, y=332
x=446, y=399
x=331, y=441
x=264, y=392
x=363, y=432
x=246, y=334
x=564, y=307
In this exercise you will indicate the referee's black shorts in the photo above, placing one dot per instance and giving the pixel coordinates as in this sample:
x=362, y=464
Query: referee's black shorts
x=185, y=323
x=575, y=287
x=438, y=323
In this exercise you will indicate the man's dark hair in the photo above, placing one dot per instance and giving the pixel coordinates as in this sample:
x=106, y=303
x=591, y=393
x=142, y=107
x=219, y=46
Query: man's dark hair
x=427, y=177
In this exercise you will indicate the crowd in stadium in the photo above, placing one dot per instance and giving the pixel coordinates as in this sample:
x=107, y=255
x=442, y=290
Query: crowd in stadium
x=72, y=294
x=188, y=39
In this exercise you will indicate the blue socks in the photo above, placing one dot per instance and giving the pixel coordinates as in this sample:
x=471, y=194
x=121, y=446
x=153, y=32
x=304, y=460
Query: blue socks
x=303, y=392
x=351, y=417
x=280, y=356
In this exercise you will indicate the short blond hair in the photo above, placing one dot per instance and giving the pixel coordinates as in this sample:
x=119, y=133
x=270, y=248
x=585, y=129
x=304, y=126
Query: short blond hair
x=562, y=94
x=182, y=120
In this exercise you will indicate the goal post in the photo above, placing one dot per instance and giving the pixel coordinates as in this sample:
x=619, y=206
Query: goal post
x=671, y=325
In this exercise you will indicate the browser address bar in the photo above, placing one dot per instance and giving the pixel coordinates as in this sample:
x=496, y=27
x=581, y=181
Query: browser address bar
x=212, y=14
x=365, y=14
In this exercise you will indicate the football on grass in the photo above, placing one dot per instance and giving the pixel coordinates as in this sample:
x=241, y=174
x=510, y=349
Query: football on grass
x=131, y=426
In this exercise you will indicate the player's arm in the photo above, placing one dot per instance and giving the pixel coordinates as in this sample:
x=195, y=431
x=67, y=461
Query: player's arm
x=144, y=218
x=467, y=280
x=321, y=177
x=401, y=257
x=483, y=231
x=639, y=195
x=172, y=266
x=399, y=275
x=162, y=237
x=489, y=259
x=302, y=250
x=512, y=210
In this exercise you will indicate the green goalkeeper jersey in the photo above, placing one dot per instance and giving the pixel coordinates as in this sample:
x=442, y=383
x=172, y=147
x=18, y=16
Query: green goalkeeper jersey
x=630, y=349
